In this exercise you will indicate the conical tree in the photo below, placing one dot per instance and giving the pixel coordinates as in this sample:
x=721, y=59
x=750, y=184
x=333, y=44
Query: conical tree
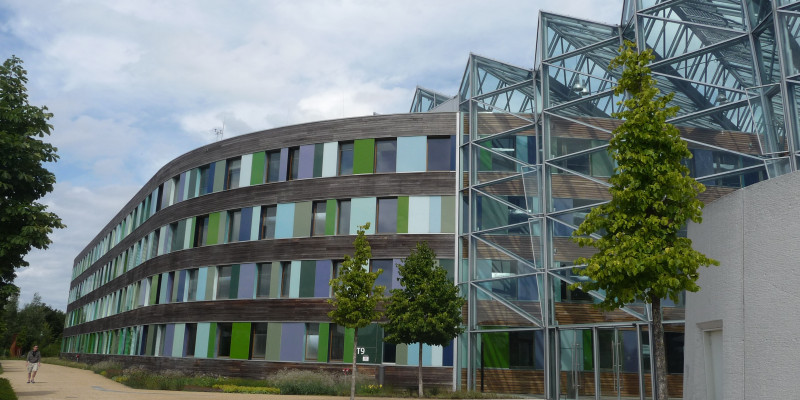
x=640, y=255
x=355, y=296
x=427, y=309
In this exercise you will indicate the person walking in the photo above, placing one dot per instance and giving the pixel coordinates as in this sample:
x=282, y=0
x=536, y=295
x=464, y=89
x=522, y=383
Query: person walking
x=34, y=359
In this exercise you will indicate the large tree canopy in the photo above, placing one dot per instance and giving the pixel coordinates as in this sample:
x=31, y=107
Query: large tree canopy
x=640, y=254
x=24, y=222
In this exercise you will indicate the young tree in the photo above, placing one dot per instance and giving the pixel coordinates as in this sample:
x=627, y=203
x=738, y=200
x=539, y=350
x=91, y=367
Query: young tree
x=355, y=296
x=427, y=309
x=24, y=223
x=640, y=254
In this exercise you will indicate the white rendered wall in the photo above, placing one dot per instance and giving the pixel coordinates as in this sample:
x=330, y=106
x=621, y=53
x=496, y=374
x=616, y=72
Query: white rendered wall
x=754, y=295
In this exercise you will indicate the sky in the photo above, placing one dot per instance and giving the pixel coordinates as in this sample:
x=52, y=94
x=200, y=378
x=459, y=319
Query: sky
x=134, y=84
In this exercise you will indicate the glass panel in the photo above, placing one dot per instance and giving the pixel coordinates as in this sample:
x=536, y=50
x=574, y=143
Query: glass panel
x=263, y=281
x=318, y=222
x=258, y=341
x=224, y=331
x=336, y=349
x=234, y=224
x=439, y=153
x=294, y=163
x=268, y=219
x=286, y=277
x=568, y=191
x=522, y=240
x=346, y=158
x=385, y=155
x=343, y=223
x=233, y=168
x=273, y=166
x=576, y=360
x=312, y=341
x=491, y=313
x=387, y=215
x=224, y=282
x=385, y=278
x=618, y=362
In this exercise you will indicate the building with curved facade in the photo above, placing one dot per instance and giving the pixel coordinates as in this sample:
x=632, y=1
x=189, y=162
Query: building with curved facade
x=223, y=258
x=496, y=177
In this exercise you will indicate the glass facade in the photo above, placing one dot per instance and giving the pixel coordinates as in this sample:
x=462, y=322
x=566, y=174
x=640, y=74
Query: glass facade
x=533, y=163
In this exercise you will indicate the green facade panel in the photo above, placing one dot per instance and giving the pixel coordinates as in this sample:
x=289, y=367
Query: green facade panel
x=240, y=340
x=275, y=281
x=349, y=335
x=330, y=217
x=274, y=341
x=401, y=354
x=363, y=156
x=495, y=350
x=257, y=171
x=213, y=228
x=324, y=342
x=154, y=289
x=212, y=340
x=402, y=214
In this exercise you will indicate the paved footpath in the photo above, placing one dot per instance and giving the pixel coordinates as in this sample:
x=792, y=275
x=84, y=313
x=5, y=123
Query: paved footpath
x=58, y=383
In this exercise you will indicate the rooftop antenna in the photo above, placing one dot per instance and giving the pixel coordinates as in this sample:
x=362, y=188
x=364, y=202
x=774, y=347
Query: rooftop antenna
x=219, y=132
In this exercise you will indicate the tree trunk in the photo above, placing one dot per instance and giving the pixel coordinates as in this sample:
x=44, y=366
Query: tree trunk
x=658, y=351
x=419, y=371
x=353, y=377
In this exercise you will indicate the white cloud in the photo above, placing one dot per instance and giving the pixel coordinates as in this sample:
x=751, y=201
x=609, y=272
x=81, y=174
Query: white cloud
x=135, y=83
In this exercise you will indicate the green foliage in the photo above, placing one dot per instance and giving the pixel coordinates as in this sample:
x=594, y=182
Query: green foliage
x=247, y=389
x=640, y=255
x=35, y=323
x=6, y=392
x=355, y=296
x=24, y=223
x=427, y=309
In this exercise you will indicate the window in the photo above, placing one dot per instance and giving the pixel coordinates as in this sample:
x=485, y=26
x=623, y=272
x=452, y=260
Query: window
x=273, y=166
x=384, y=279
x=268, y=218
x=318, y=218
x=258, y=341
x=233, y=168
x=234, y=224
x=175, y=241
x=286, y=272
x=191, y=335
x=346, y=158
x=336, y=349
x=294, y=163
x=387, y=215
x=205, y=177
x=389, y=353
x=439, y=153
x=343, y=223
x=191, y=282
x=312, y=341
x=263, y=280
x=224, y=332
x=224, y=282
x=385, y=155
x=201, y=231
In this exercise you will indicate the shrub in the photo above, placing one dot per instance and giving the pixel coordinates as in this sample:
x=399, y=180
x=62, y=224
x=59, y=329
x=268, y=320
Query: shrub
x=247, y=389
x=6, y=392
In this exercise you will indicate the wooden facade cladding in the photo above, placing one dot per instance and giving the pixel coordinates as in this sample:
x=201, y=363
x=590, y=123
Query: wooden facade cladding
x=367, y=185
x=379, y=126
x=396, y=375
x=255, y=251
x=242, y=310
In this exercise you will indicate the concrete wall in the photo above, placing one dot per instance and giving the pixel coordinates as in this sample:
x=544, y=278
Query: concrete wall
x=753, y=296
